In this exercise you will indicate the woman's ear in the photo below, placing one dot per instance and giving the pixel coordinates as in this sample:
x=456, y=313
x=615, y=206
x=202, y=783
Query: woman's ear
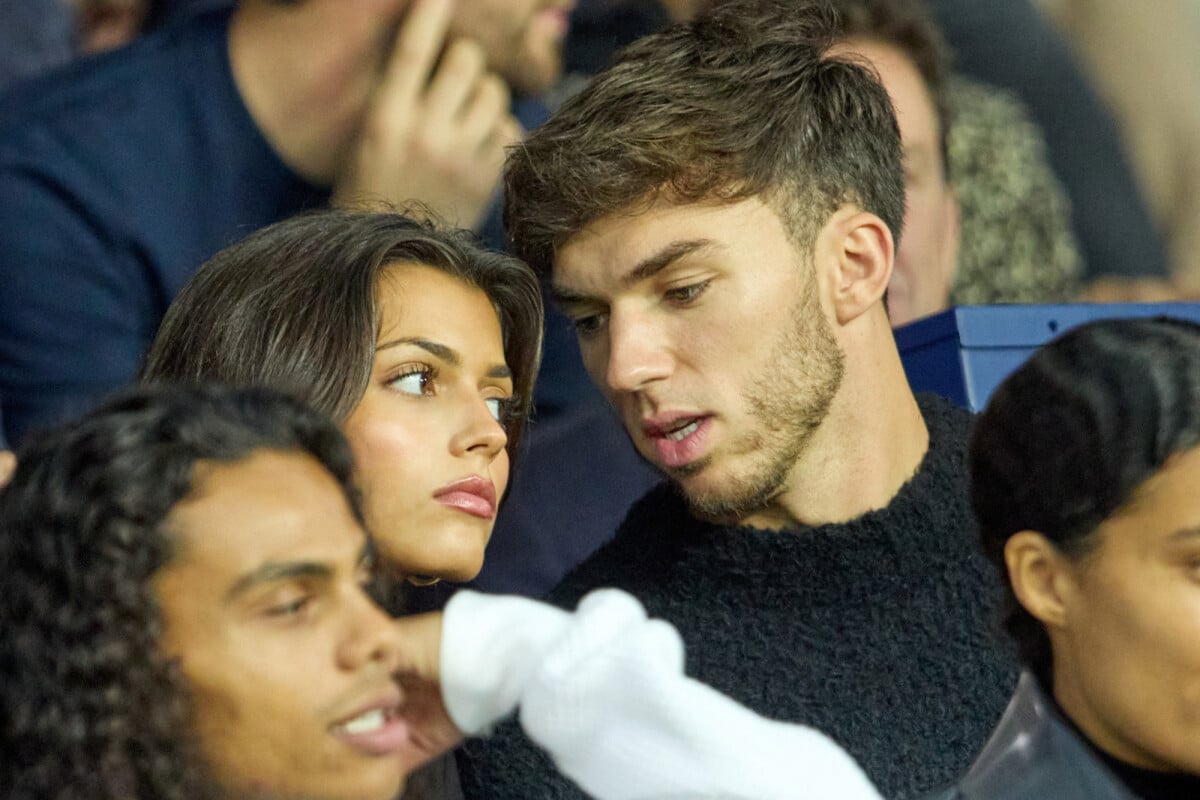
x=1040, y=577
x=860, y=251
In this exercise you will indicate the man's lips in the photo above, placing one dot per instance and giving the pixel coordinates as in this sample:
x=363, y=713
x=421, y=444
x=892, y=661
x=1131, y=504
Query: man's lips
x=375, y=728
x=473, y=495
x=678, y=439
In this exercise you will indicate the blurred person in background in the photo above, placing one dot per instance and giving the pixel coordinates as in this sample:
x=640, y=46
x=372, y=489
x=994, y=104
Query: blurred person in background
x=1140, y=56
x=119, y=175
x=972, y=233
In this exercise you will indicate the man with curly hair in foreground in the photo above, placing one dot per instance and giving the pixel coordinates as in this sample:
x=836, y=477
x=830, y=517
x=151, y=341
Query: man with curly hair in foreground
x=185, y=613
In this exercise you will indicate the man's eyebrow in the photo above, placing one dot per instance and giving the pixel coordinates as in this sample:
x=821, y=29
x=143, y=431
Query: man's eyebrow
x=1185, y=535
x=646, y=268
x=447, y=354
x=278, y=571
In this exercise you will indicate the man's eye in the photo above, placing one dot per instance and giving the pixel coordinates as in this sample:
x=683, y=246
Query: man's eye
x=589, y=325
x=415, y=380
x=291, y=608
x=686, y=294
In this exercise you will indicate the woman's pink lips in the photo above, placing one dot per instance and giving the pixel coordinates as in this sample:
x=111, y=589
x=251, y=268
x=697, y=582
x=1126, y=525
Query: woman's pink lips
x=473, y=495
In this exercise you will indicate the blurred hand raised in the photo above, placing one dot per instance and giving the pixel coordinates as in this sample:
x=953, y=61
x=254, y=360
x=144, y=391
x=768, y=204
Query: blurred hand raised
x=436, y=130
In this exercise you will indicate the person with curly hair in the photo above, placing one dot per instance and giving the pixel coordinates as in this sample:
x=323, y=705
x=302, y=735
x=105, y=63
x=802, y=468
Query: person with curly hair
x=1084, y=470
x=184, y=614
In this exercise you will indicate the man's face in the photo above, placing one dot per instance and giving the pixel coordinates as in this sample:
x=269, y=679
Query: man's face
x=288, y=661
x=703, y=325
x=928, y=253
x=522, y=38
x=1127, y=659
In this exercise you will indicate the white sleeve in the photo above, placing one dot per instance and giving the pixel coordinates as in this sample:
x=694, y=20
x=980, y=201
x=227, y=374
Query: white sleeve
x=491, y=645
x=606, y=697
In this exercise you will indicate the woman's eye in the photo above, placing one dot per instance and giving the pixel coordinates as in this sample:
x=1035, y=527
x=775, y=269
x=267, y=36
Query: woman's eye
x=416, y=381
x=501, y=408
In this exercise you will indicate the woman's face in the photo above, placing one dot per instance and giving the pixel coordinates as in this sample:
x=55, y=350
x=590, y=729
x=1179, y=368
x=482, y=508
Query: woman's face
x=1127, y=652
x=427, y=435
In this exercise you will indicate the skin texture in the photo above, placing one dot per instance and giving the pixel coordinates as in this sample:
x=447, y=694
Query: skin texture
x=731, y=332
x=276, y=661
x=1124, y=621
x=927, y=254
x=429, y=418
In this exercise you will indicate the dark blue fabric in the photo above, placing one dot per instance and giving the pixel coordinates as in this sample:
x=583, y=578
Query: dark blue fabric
x=119, y=175
x=36, y=35
x=1009, y=43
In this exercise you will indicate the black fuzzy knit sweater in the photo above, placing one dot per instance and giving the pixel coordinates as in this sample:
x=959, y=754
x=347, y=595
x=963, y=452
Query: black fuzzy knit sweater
x=877, y=631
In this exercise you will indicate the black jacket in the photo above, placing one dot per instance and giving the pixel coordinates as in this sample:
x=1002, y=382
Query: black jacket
x=1035, y=754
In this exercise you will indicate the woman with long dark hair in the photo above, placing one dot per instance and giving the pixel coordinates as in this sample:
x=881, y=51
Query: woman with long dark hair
x=422, y=345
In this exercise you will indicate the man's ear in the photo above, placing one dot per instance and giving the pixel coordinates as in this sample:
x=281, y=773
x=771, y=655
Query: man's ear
x=1040, y=576
x=953, y=234
x=860, y=250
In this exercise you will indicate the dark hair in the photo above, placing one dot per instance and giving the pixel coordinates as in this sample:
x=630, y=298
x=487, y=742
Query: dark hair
x=740, y=102
x=294, y=306
x=1067, y=439
x=90, y=709
x=908, y=26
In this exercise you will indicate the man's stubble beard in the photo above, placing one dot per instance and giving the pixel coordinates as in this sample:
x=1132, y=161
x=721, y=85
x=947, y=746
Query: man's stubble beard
x=786, y=408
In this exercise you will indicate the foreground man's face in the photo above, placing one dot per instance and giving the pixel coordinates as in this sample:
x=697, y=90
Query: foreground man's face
x=703, y=325
x=289, y=661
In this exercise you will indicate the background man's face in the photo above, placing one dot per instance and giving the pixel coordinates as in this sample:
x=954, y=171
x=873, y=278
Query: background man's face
x=703, y=326
x=288, y=660
x=522, y=38
x=927, y=256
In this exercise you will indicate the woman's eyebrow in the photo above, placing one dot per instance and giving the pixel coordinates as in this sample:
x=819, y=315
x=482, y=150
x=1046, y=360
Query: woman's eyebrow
x=445, y=353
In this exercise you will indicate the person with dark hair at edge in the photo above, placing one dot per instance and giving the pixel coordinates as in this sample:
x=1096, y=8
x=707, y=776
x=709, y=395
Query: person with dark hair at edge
x=1084, y=468
x=718, y=212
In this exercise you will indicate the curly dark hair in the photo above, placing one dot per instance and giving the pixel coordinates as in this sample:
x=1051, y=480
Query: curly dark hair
x=1067, y=439
x=293, y=306
x=90, y=709
x=741, y=102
